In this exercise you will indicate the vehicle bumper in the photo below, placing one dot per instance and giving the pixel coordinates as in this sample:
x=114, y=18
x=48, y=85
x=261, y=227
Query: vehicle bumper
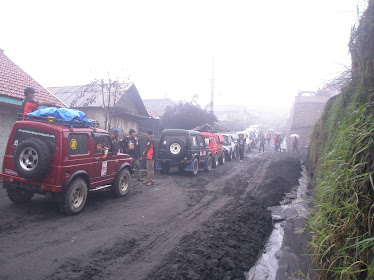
x=17, y=182
x=185, y=163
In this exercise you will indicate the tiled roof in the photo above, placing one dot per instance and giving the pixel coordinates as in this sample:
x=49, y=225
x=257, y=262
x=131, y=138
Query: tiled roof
x=13, y=81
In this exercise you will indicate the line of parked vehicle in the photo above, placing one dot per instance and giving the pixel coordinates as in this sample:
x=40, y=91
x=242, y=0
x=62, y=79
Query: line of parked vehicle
x=192, y=150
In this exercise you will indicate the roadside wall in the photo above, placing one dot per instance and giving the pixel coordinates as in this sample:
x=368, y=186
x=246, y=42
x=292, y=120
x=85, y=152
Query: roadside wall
x=8, y=115
x=304, y=114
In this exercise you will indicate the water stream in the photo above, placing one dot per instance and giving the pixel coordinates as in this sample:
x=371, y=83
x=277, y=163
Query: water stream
x=292, y=206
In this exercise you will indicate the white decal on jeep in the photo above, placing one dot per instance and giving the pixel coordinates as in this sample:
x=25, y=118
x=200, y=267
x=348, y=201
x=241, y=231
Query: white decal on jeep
x=104, y=168
x=10, y=172
x=37, y=133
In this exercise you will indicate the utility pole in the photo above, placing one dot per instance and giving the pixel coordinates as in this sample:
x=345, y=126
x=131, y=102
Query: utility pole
x=212, y=87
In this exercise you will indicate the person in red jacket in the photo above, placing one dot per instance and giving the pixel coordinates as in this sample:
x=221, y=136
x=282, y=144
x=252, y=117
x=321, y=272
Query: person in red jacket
x=150, y=155
x=29, y=104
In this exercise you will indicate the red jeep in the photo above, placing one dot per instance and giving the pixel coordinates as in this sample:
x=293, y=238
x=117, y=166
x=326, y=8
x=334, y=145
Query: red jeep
x=44, y=157
x=214, y=141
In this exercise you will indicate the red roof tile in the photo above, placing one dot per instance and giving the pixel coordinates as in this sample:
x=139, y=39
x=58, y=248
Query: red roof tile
x=13, y=81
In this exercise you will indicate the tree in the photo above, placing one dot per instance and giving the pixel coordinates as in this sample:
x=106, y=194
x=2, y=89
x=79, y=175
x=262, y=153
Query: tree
x=107, y=91
x=186, y=116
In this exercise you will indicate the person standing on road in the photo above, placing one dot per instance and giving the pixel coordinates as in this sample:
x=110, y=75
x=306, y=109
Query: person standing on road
x=114, y=137
x=295, y=145
x=262, y=144
x=150, y=155
x=130, y=145
x=241, y=144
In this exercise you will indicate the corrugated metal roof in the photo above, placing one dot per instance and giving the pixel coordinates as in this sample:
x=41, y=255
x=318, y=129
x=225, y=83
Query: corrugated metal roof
x=158, y=106
x=13, y=81
x=90, y=96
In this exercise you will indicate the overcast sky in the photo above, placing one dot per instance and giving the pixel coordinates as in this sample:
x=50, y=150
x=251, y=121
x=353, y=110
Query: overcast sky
x=264, y=51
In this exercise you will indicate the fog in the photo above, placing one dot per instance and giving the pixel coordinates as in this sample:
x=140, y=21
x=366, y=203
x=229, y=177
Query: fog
x=260, y=53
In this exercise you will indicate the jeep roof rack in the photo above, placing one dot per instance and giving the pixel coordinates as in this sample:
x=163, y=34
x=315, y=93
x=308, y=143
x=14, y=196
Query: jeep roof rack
x=51, y=119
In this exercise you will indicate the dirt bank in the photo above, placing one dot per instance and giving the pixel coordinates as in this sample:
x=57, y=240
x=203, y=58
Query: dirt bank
x=212, y=226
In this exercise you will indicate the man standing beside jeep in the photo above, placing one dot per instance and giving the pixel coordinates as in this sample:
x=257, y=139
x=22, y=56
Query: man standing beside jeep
x=130, y=145
x=150, y=155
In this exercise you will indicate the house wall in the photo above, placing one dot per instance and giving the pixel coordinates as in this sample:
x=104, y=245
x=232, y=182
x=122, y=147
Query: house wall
x=8, y=115
x=118, y=121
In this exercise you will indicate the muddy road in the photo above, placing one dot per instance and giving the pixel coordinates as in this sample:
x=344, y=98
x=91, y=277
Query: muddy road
x=211, y=226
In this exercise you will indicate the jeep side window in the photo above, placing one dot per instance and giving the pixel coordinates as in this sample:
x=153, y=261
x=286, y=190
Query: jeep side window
x=200, y=140
x=101, y=143
x=78, y=144
x=193, y=141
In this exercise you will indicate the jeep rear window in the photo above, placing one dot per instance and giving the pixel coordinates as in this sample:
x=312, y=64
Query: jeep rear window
x=24, y=133
x=78, y=144
x=167, y=139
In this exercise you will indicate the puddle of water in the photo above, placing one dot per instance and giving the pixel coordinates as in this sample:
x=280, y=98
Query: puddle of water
x=292, y=206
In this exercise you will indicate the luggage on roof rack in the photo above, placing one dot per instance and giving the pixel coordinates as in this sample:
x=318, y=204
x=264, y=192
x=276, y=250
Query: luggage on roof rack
x=63, y=116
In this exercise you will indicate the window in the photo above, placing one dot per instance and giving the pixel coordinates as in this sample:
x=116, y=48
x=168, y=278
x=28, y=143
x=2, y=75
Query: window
x=215, y=140
x=102, y=142
x=78, y=144
x=200, y=140
x=194, y=141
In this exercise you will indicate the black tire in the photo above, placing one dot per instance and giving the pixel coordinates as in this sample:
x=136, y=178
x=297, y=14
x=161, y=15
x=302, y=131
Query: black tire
x=121, y=184
x=215, y=161
x=195, y=166
x=222, y=158
x=32, y=159
x=229, y=156
x=18, y=195
x=165, y=168
x=73, y=199
x=209, y=163
x=176, y=148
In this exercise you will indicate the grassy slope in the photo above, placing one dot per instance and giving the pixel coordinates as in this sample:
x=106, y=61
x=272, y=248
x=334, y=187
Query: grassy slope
x=341, y=161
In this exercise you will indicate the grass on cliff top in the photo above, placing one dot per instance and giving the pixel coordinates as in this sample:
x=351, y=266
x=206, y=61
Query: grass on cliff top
x=343, y=222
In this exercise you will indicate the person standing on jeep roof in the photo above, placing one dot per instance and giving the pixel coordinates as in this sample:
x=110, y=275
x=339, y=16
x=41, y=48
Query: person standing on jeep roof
x=130, y=145
x=150, y=155
x=241, y=143
x=29, y=104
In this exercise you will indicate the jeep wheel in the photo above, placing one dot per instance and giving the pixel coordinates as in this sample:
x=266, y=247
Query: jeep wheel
x=19, y=195
x=229, y=156
x=121, y=184
x=195, y=166
x=222, y=159
x=209, y=164
x=176, y=148
x=74, y=198
x=32, y=159
x=165, y=168
x=215, y=161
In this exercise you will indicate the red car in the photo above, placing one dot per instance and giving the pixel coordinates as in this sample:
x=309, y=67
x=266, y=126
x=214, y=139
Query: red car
x=214, y=142
x=45, y=157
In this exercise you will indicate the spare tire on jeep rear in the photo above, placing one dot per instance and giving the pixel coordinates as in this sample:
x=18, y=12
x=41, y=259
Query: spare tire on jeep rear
x=176, y=148
x=32, y=159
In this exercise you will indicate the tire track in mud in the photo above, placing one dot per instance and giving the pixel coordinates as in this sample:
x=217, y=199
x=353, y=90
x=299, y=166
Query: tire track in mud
x=216, y=193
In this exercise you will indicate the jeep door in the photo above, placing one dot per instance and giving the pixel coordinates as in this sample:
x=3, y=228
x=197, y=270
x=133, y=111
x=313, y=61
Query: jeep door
x=202, y=148
x=104, y=172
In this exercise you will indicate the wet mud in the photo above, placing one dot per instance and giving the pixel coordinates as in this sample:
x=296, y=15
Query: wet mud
x=211, y=226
